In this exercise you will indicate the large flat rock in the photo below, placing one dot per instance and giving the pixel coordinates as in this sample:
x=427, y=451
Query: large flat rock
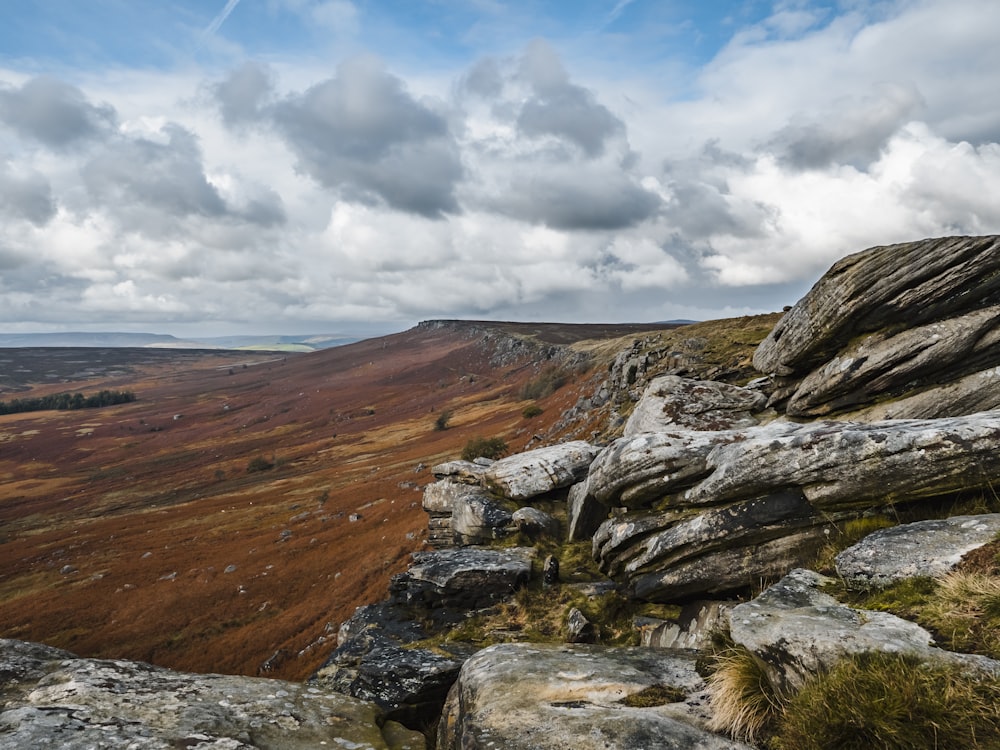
x=544, y=697
x=537, y=472
x=53, y=699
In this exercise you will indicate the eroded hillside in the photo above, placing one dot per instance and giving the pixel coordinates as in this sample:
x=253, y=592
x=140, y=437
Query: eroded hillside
x=240, y=509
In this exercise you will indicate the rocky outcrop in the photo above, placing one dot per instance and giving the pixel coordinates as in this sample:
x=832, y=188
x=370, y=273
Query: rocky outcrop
x=925, y=548
x=53, y=699
x=584, y=513
x=796, y=631
x=888, y=323
x=374, y=659
x=477, y=518
x=540, y=471
x=712, y=512
x=542, y=697
x=671, y=402
x=693, y=629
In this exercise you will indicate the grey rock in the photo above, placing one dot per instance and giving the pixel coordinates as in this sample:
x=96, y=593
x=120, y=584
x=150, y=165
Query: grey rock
x=692, y=630
x=892, y=324
x=578, y=628
x=57, y=700
x=671, y=401
x=537, y=472
x=584, y=513
x=979, y=391
x=467, y=472
x=711, y=512
x=913, y=283
x=477, y=518
x=924, y=548
x=886, y=363
x=797, y=631
x=543, y=697
x=466, y=579
x=535, y=523
x=439, y=497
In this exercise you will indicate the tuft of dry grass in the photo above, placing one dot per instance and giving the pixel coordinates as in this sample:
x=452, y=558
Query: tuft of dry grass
x=744, y=702
x=965, y=612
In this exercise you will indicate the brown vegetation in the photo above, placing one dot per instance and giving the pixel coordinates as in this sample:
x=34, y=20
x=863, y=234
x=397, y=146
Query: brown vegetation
x=137, y=531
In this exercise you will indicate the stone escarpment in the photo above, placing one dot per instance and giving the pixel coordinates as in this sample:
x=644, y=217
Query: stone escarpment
x=714, y=491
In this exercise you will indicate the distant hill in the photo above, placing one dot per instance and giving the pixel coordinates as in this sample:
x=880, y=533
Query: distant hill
x=104, y=340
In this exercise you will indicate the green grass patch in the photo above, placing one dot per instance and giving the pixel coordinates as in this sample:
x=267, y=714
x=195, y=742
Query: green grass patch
x=891, y=702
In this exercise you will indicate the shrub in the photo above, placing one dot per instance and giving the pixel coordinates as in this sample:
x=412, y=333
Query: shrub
x=892, y=702
x=441, y=423
x=259, y=463
x=547, y=382
x=481, y=447
x=533, y=410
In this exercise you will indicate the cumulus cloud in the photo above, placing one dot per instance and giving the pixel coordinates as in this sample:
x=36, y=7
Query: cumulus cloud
x=26, y=195
x=139, y=174
x=242, y=94
x=53, y=112
x=853, y=132
x=362, y=134
x=560, y=108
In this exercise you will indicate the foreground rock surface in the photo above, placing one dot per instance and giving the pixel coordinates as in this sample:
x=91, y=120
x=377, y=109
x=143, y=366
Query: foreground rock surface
x=797, y=631
x=53, y=699
x=893, y=322
x=925, y=548
x=543, y=697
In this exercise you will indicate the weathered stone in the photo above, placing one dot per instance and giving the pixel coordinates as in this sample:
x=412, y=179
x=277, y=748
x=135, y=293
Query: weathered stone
x=477, y=518
x=57, y=700
x=463, y=579
x=526, y=475
x=542, y=697
x=911, y=284
x=467, y=472
x=584, y=513
x=693, y=628
x=889, y=325
x=578, y=628
x=535, y=523
x=796, y=632
x=550, y=571
x=671, y=402
x=892, y=363
x=836, y=464
x=925, y=548
x=408, y=684
x=736, y=505
x=440, y=496
x=973, y=393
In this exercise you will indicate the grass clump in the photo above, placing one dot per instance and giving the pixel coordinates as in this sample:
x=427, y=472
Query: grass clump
x=482, y=447
x=259, y=463
x=845, y=535
x=965, y=613
x=654, y=695
x=892, y=702
x=532, y=410
x=547, y=382
x=744, y=701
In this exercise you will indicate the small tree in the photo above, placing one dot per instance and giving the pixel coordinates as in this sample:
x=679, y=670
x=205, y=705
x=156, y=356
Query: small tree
x=259, y=463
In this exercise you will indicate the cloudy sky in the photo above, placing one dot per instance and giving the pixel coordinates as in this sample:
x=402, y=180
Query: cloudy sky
x=224, y=166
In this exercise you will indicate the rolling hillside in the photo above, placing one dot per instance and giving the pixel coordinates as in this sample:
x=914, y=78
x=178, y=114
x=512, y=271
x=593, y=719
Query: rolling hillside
x=240, y=509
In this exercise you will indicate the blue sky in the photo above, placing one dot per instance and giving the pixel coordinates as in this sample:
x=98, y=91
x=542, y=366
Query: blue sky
x=225, y=166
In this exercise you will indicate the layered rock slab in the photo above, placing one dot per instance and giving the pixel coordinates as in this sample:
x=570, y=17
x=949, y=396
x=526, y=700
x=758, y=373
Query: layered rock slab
x=543, y=697
x=710, y=512
x=540, y=471
x=889, y=324
x=671, y=401
x=54, y=699
x=925, y=548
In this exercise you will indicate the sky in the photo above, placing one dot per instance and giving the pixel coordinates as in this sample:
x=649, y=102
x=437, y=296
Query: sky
x=212, y=167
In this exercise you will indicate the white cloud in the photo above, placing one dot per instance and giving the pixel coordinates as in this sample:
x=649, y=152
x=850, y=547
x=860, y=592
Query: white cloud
x=290, y=191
